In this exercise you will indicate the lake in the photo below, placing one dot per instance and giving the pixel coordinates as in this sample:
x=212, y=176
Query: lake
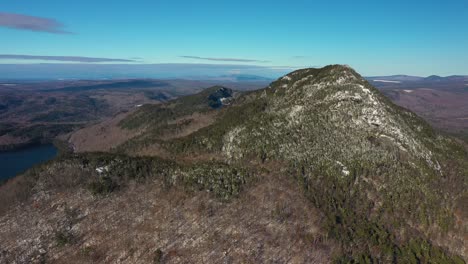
x=17, y=161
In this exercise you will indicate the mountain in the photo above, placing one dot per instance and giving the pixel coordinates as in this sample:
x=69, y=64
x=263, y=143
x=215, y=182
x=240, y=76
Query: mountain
x=434, y=78
x=318, y=167
x=136, y=129
x=453, y=78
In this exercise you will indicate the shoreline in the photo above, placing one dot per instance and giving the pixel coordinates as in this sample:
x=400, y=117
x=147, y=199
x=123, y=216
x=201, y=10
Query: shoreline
x=18, y=161
x=22, y=146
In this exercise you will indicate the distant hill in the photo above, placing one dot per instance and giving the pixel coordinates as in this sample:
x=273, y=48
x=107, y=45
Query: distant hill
x=407, y=78
x=112, y=85
x=449, y=83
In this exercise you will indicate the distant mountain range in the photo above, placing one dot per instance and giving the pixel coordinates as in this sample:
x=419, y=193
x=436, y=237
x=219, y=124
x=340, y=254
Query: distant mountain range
x=408, y=78
x=54, y=71
x=454, y=83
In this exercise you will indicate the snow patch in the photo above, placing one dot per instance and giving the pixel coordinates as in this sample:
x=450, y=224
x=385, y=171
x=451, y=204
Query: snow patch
x=295, y=110
x=231, y=140
x=286, y=78
x=102, y=169
x=344, y=95
x=301, y=81
x=344, y=169
x=400, y=146
x=341, y=80
x=369, y=93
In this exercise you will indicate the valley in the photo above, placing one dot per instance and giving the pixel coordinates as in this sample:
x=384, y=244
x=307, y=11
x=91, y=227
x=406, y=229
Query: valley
x=37, y=112
x=440, y=101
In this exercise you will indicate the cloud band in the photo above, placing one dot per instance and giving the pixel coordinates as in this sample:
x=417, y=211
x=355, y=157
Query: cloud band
x=62, y=58
x=31, y=23
x=223, y=59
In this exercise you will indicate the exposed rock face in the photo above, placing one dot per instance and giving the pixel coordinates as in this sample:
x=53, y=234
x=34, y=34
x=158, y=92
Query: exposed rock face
x=222, y=96
x=377, y=183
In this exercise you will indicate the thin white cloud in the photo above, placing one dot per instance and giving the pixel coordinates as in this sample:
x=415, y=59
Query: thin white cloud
x=62, y=58
x=223, y=59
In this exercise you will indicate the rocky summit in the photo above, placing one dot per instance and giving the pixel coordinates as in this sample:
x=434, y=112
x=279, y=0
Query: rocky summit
x=318, y=167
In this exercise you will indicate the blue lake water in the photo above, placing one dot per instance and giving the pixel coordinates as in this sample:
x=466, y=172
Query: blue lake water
x=14, y=162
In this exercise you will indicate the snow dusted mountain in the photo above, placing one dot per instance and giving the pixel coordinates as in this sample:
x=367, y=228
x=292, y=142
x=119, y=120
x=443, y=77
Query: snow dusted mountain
x=317, y=167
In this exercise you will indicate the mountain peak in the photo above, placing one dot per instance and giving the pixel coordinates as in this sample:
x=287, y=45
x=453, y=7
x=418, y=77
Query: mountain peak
x=328, y=75
x=336, y=98
x=323, y=84
x=220, y=96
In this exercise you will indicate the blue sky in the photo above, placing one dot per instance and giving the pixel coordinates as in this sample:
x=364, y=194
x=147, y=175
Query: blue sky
x=374, y=37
